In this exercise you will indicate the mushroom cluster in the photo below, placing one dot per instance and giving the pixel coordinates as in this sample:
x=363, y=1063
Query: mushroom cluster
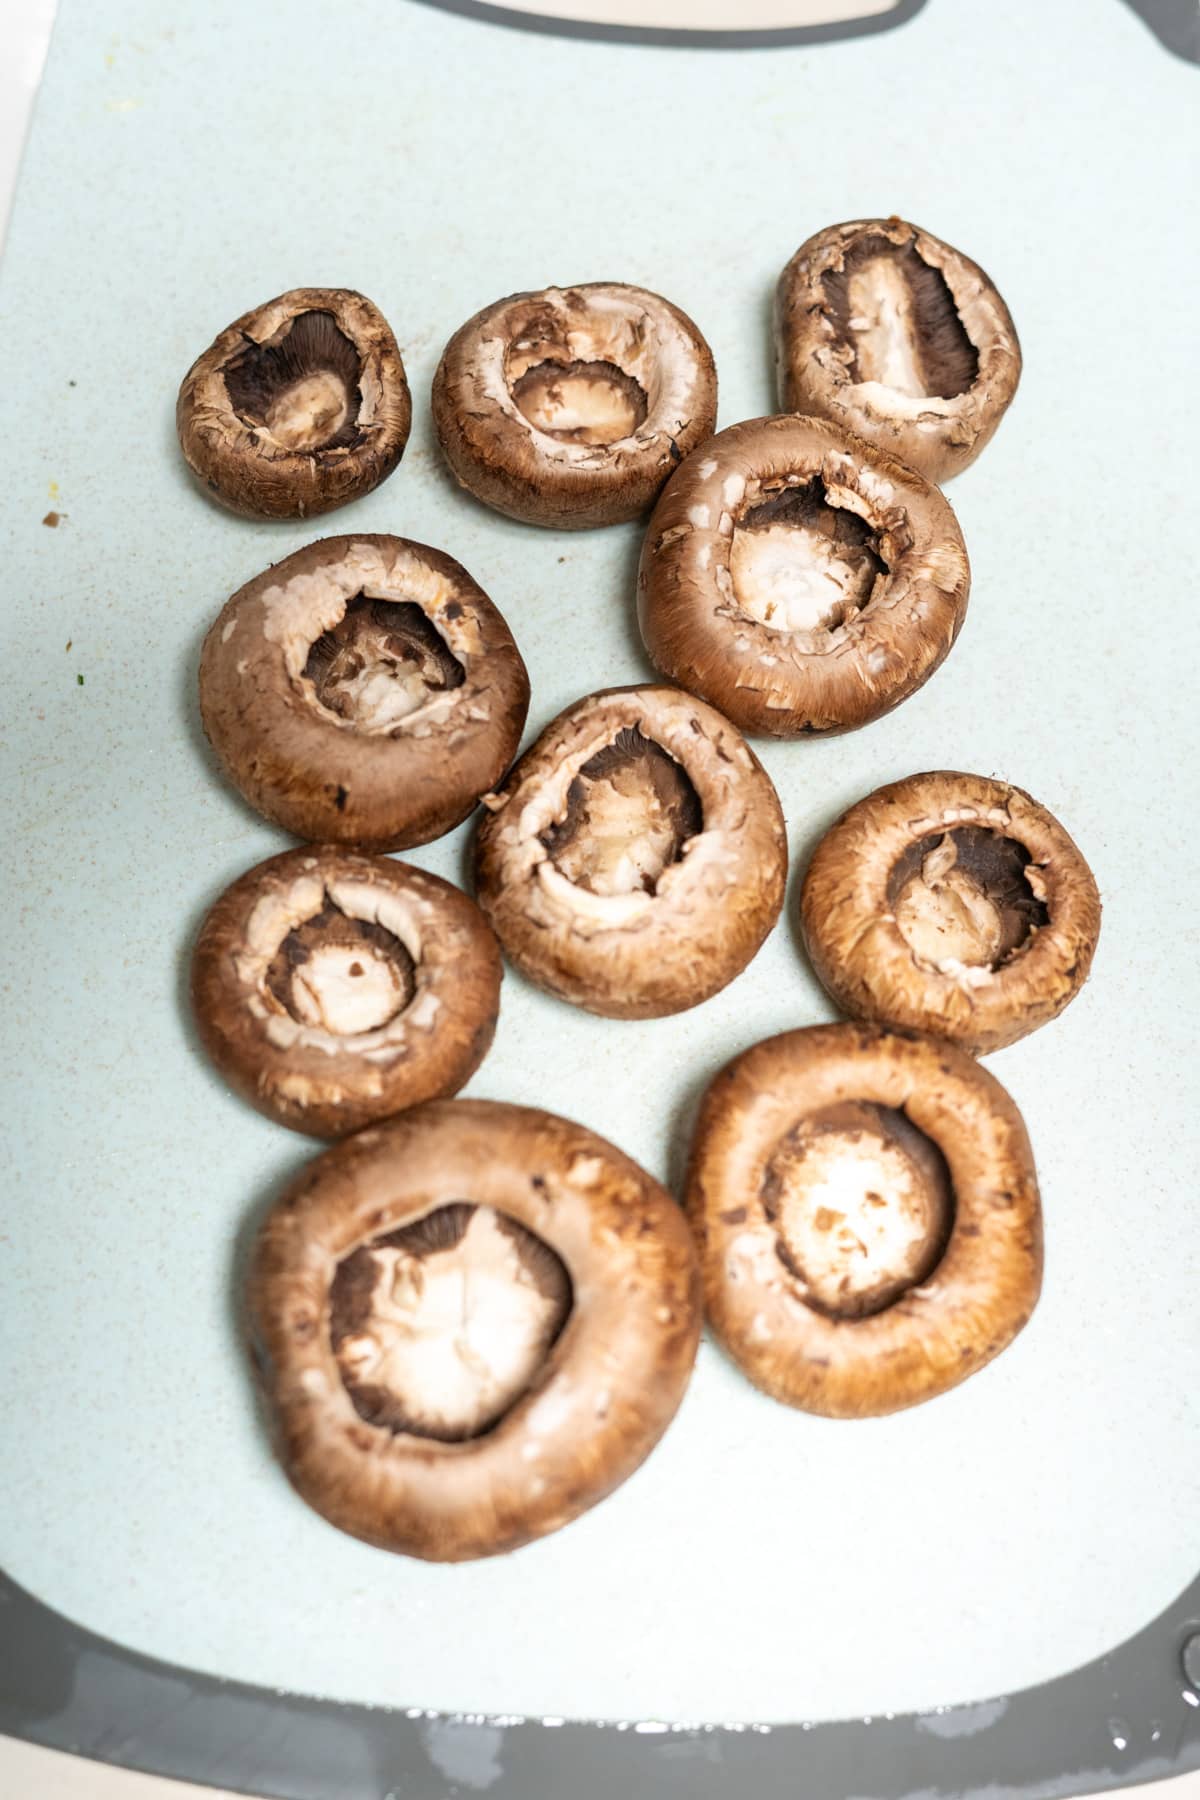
x=472, y=1320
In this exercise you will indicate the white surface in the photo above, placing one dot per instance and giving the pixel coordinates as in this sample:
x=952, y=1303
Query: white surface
x=24, y=35
x=763, y=1564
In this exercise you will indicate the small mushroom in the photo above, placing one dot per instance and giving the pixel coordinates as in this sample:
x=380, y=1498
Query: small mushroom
x=634, y=860
x=867, y=1215
x=363, y=691
x=331, y=988
x=800, y=580
x=953, y=904
x=890, y=333
x=298, y=406
x=570, y=407
x=471, y=1324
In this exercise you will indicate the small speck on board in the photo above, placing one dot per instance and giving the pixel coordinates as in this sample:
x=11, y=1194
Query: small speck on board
x=51, y=519
x=68, y=643
x=79, y=679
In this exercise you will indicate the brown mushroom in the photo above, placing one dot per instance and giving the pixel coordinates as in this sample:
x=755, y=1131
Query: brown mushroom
x=331, y=989
x=634, y=860
x=363, y=691
x=867, y=1215
x=472, y=1323
x=571, y=406
x=890, y=333
x=953, y=904
x=800, y=580
x=298, y=406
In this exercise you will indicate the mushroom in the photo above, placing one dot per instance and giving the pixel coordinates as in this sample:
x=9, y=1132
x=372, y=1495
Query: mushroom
x=571, y=406
x=634, y=860
x=363, y=691
x=471, y=1323
x=331, y=988
x=888, y=332
x=799, y=579
x=298, y=406
x=867, y=1216
x=953, y=904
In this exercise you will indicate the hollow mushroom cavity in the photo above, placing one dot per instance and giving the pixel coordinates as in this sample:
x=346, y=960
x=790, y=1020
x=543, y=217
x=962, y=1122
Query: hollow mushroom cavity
x=302, y=391
x=798, y=563
x=951, y=903
x=471, y=1322
x=896, y=336
x=299, y=406
x=630, y=812
x=570, y=406
x=363, y=691
x=439, y=1327
x=862, y=1206
x=963, y=898
x=332, y=988
x=635, y=859
x=799, y=579
x=382, y=661
x=580, y=402
x=341, y=975
x=868, y=1217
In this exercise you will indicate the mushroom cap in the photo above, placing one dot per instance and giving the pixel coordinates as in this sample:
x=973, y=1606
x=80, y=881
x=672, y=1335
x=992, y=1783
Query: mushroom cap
x=542, y=478
x=815, y=678
x=963, y=1312
x=869, y=967
x=318, y=774
x=937, y=434
x=245, y=465
x=640, y=954
x=295, y=1069
x=607, y=1391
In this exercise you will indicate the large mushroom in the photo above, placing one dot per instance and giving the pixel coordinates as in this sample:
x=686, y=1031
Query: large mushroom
x=635, y=859
x=867, y=1215
x=799, y=579
x=331, y=988
x=471, y=1323
x=298, y=406
x=889, y=333
x=571, y=406
x=951, y=903
x=363, y=691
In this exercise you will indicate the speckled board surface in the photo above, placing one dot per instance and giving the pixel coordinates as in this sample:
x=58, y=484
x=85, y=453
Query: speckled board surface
x=762, y=1565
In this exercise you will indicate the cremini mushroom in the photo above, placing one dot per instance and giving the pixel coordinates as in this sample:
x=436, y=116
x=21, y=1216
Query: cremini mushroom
x=867, y=1215
x=800, y=580
x=571, y=406
x=332, y=988
x=298, y=406
x=951, y=903
x=471, y=1323
x=635, y=859
x=363, y=691
x=888, y=332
